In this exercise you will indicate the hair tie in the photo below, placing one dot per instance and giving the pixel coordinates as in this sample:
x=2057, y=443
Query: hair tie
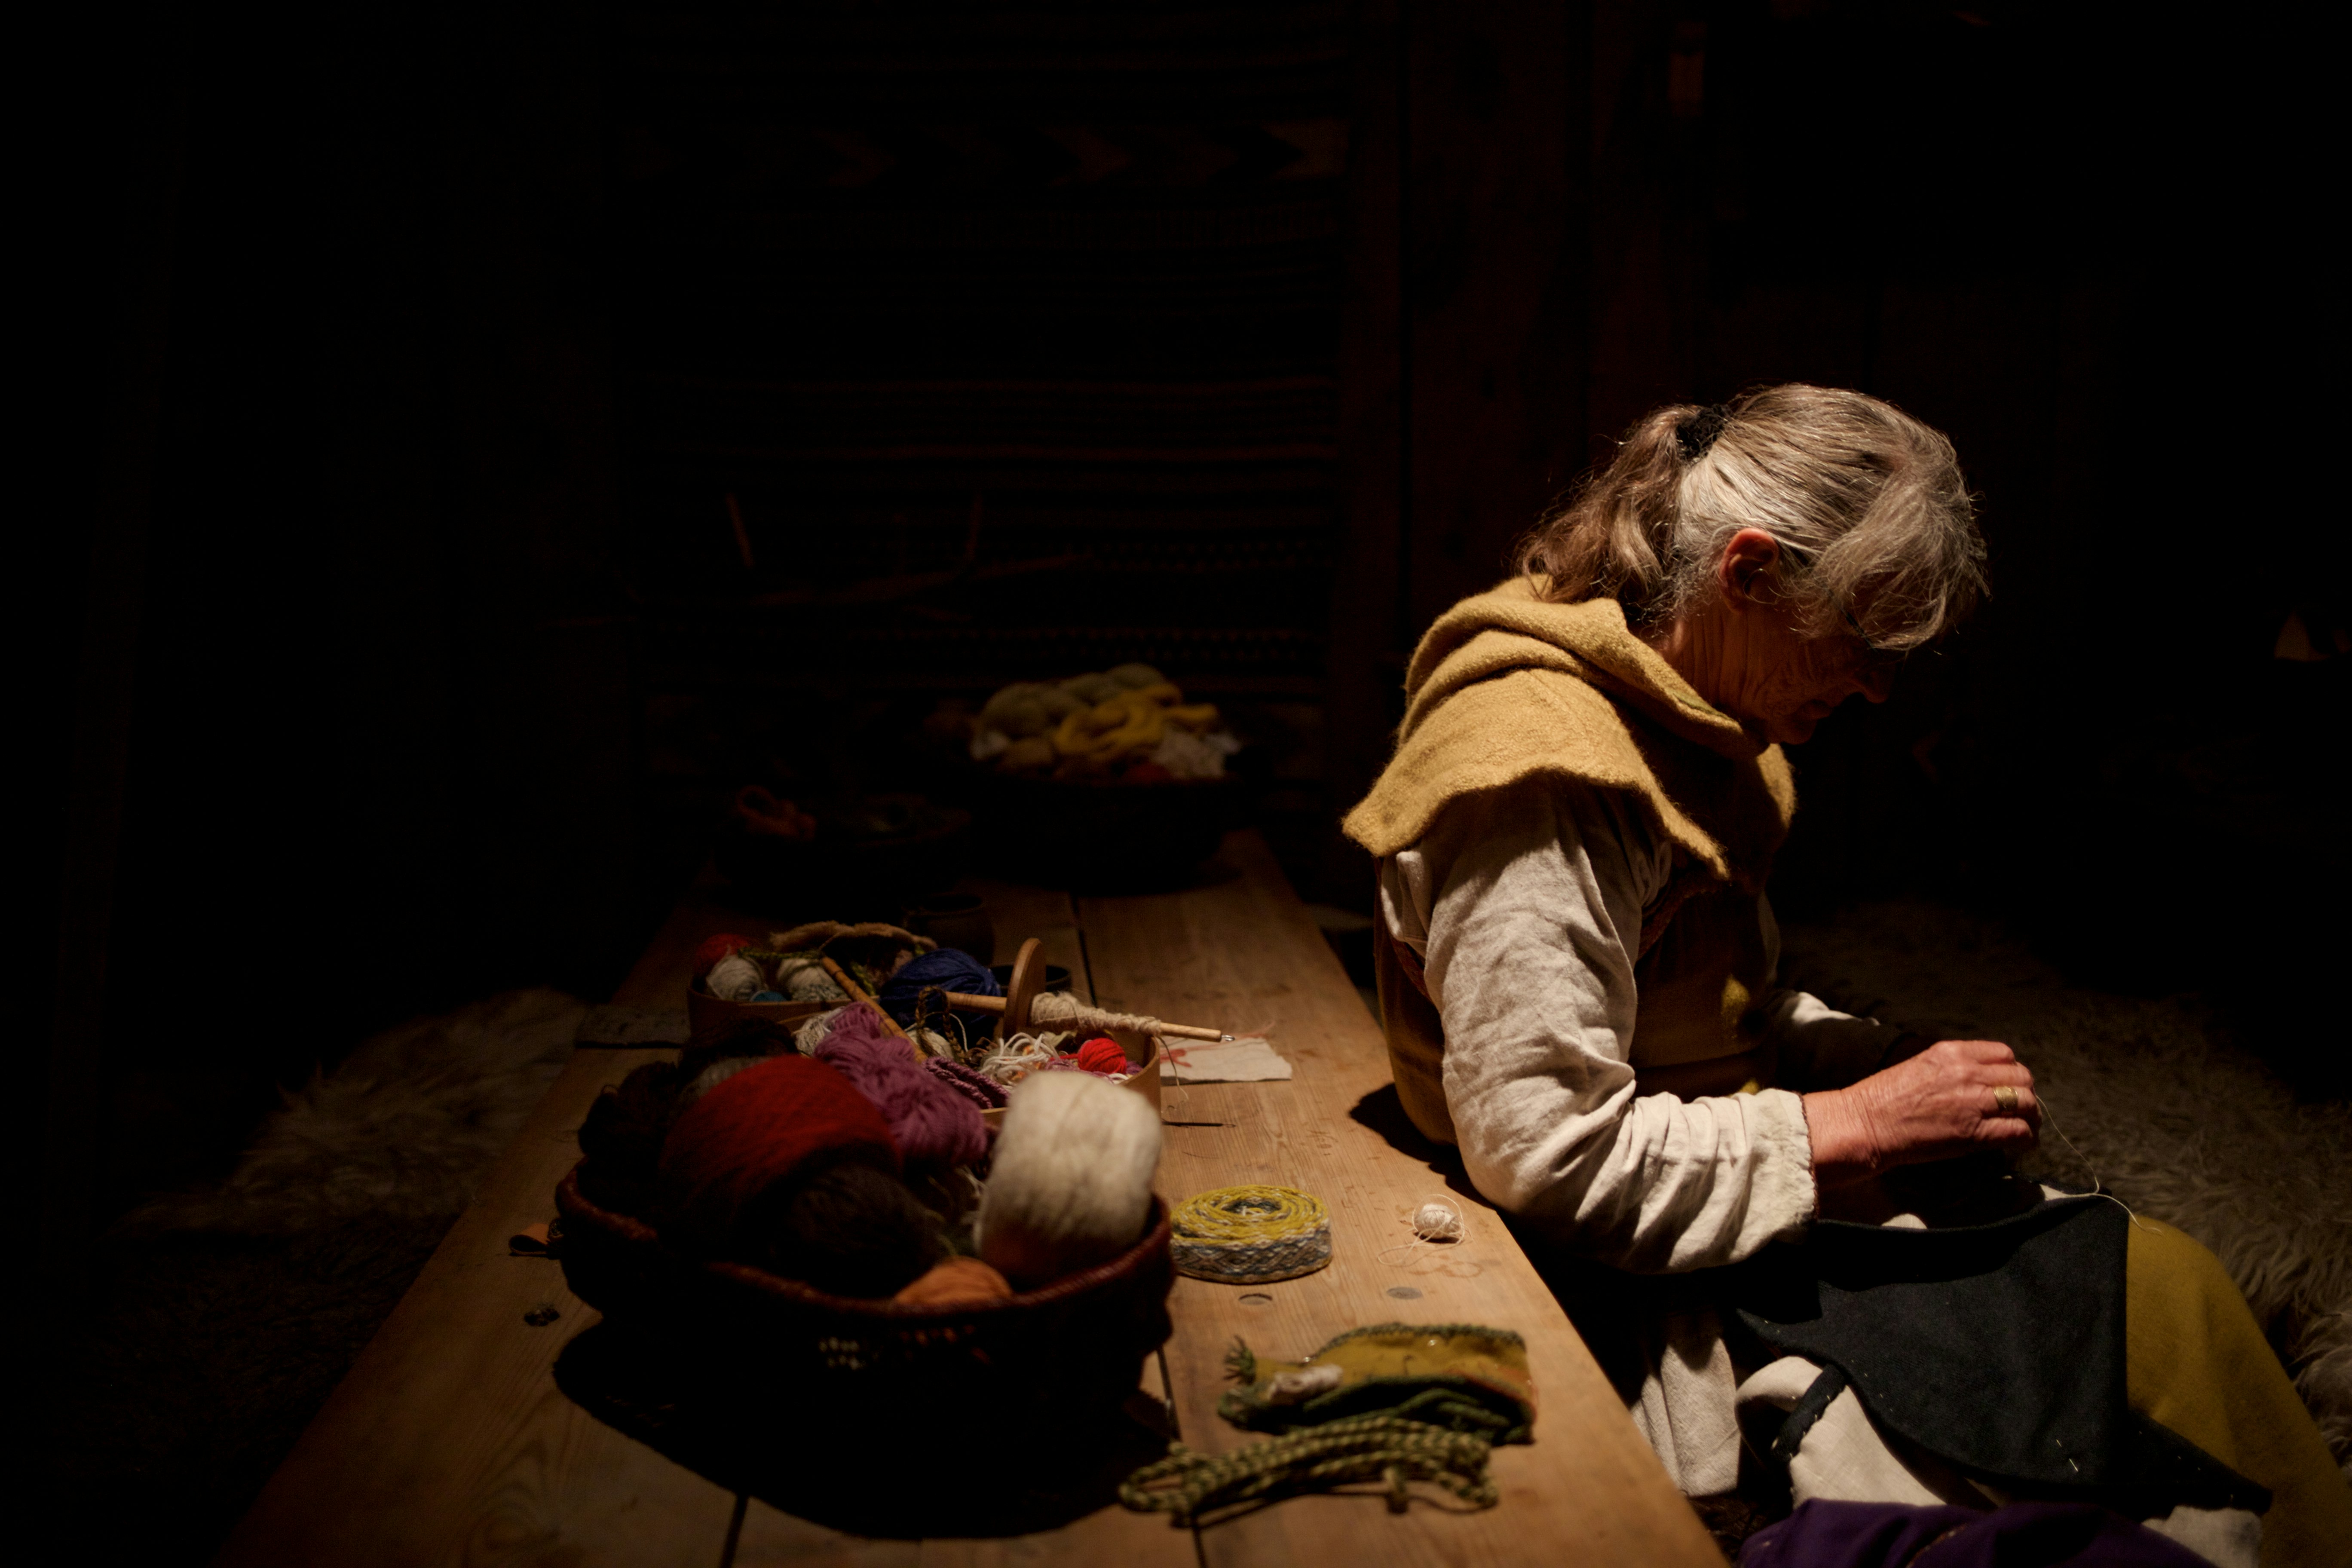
x=1697, y=432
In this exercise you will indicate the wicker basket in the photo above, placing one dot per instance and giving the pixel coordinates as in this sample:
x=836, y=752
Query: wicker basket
x=1076, y=1346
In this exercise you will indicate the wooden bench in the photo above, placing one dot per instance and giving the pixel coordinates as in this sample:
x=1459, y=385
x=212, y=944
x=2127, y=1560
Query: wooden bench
x=449, y=1442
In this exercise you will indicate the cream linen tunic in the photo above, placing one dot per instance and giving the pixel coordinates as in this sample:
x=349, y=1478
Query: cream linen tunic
x=1524, y=906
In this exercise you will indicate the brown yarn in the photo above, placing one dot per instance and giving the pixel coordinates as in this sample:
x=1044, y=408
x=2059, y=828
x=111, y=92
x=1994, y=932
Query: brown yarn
x=622, y=1137
x=850, y=1229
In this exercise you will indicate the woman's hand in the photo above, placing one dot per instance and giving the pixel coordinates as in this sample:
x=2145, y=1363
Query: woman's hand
x=1942, y=1102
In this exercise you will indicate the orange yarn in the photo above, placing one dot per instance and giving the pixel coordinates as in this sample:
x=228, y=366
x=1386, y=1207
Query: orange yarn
x=957, y=1282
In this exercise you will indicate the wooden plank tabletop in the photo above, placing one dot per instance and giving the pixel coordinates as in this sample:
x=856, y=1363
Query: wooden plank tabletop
x=1243, y=953
x=449, y=1442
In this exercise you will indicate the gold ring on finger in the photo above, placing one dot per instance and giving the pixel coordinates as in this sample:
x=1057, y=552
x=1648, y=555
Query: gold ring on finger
x=2004, y=1097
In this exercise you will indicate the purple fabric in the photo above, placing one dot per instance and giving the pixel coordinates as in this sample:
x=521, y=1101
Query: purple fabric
x=1823, y=1534
x=931, y=1122
x=983, y=1092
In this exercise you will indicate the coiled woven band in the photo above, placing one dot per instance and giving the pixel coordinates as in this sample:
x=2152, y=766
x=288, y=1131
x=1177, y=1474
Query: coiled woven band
x=1251, y=1236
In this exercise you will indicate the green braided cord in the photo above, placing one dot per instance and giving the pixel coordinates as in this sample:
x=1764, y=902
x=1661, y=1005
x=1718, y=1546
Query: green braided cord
x=1187, y=1484
x=1445, y=1330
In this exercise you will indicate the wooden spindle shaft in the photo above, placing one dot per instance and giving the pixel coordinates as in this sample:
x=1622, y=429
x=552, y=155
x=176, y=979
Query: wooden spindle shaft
x=857, y=994
x=965, y=1001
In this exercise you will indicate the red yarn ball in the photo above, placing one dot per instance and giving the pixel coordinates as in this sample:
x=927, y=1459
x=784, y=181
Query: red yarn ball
x=1103, y=1055
x=754, y=1130
x=713, y=948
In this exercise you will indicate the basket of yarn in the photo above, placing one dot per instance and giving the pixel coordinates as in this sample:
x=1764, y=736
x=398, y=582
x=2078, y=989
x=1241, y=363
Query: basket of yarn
x=783, y=980
x=1106, y=778
x=805, y=1229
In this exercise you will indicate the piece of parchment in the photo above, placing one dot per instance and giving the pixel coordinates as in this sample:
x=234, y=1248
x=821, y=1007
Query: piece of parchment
x=1250, y=1059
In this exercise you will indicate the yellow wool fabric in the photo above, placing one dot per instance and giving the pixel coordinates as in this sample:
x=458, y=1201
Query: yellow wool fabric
x=1506, y=687
x=2196, y=1362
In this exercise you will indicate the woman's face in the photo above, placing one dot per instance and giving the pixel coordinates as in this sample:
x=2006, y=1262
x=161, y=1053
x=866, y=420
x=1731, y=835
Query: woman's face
x=1783, y=683
x=1745, y=654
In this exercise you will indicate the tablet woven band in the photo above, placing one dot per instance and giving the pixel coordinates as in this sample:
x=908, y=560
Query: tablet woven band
x=1251, y=1236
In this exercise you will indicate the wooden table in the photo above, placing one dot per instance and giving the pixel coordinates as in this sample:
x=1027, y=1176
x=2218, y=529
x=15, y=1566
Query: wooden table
x=449, y=1443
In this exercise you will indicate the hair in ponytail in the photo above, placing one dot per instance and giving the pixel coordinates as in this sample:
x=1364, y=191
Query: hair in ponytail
x=1867, y=503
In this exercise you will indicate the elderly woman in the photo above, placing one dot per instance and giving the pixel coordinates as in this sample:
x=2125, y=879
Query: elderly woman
x=1578, y=980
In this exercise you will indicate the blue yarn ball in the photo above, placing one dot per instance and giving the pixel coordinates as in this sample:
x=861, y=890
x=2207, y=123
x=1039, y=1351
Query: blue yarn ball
x=771, y=996
x=947, y=969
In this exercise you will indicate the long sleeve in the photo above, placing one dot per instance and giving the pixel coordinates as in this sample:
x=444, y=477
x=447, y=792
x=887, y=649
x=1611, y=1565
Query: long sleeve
x=1526, y=905
x=1818, y=1046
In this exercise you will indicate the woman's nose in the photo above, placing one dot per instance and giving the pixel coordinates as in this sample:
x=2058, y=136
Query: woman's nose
x=1877, y=685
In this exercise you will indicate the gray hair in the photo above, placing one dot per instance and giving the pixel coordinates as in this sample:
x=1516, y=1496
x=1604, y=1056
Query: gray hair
x=1872, y=516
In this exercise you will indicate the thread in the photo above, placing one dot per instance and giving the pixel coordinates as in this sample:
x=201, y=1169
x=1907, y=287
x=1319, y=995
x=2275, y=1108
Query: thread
x=735, y=978
x=757, y=1129
x=2098, y=1186
x=946, y=969
x=1018, y=1056
x=1251, y=1234
x=1070, y=1185
x=770, y=997
x=714, y=948
x=956, y=1283
x=1436, y=1222
x=931, y=1123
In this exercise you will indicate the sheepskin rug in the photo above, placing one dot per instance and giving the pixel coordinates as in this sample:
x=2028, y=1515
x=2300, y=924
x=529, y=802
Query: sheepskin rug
x=404, y=1129
x=2150, y=1096
x=226, y=1317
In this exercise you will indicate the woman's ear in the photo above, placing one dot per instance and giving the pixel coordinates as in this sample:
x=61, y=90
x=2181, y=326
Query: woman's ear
x=1748, y=558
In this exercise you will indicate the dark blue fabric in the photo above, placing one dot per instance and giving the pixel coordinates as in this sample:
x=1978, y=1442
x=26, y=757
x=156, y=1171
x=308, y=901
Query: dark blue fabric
x=1999, y=1347
x=2023, y=1535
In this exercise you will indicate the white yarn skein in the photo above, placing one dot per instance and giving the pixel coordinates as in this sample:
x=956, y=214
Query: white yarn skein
x=804, y=980
x=735, y=978
x=1020, y=1056
x=1434, y=1221
x=811, y=1035
x=1070, y=1185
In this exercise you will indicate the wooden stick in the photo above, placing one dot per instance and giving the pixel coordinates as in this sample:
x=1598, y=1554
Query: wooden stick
x=857, y=994
x=1028, y=979
x=961, y=1000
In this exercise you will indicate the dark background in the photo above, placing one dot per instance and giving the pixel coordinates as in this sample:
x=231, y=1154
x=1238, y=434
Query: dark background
x=389, y=641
